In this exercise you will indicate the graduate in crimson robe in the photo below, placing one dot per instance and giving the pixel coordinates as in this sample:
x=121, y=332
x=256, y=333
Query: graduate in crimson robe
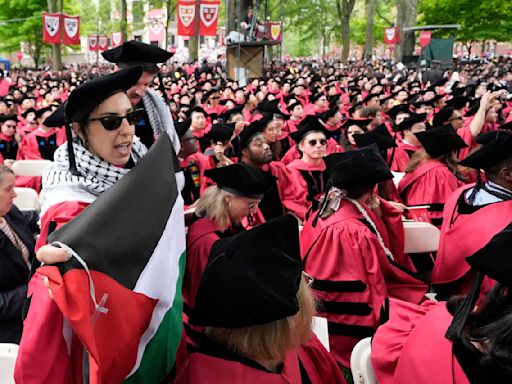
x=256, y=308
x=400, y=156
x=239, y=190
x=473, y=214
x=355, y=256
x=312, y=143
x=455, y=342
x=287, y=194
x=42, y=142
x=431, y=174
x=9, y=147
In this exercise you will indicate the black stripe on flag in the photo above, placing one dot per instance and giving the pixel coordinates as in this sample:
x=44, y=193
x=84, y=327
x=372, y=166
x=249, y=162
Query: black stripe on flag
x=119, y=231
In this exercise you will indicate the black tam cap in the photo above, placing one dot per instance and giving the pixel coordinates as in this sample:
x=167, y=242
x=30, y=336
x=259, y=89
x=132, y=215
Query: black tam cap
x=458, y=102
x=57, y=118
x=310, y=124
x=42, y=111
x=442, y=116
x=221, y=132
x=400, y=108
x=88, y=96
x=497, y=148
x=440, y=140
x=182, y=127
x=233, y=111
x=242, y=180
x=251, y=278
x=136, y=52
x=414, y=118
x=383, y=142
x=4, y=118
x=357, y=168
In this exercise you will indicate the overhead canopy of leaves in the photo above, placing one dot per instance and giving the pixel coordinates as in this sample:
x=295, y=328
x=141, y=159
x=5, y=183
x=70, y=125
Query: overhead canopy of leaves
x=479, y=19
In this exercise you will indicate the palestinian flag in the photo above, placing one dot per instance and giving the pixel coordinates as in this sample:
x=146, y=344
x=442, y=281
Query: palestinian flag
x=121, y=292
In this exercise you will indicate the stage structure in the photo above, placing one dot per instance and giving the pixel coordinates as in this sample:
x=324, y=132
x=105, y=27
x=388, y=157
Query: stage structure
x=252, y=30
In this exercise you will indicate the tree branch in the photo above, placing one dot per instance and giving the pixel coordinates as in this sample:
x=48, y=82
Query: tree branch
x=382, y=17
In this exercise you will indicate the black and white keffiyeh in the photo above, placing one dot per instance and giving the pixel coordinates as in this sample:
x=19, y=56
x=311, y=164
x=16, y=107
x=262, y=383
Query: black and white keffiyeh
x=95, y=175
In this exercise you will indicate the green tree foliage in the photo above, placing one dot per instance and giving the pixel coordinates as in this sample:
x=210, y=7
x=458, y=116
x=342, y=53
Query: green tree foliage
x=479, y=19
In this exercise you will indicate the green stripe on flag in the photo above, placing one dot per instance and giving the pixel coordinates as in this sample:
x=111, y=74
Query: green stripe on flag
x=160, y=353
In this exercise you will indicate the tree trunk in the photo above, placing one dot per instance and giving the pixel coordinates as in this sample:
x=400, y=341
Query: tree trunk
x=407, y=11
x=170, y=13
x=371, y=6
x=54, y=7
x=193, y=48
x=124, y=20
x=345, y=8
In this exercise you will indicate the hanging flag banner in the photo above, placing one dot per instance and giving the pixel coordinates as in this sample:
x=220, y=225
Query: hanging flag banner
x=71, y=30
x=156, y=23
x=275, y=30
x=391, y=35
x=93, y=43
x=186, y=17
x=116, y=39
x=51, y=28
x=425, y=38
x=102, y=43
x=208, y=17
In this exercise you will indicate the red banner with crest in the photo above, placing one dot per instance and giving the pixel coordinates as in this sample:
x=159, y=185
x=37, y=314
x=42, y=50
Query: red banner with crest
x=187, y=17
x=51, y=28
x=93, y=43
x=102, y=43
x=70, y=30
x=425, y=37
x=392, y=35
x=275, y=30
x=116, y=39
x=156, y=24
x=208, y=17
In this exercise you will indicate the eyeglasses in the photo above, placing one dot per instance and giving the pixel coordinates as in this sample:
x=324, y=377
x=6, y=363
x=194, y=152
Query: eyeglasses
x=9, y=126
x=214, y=97
x=314, y=142
x=111, y=123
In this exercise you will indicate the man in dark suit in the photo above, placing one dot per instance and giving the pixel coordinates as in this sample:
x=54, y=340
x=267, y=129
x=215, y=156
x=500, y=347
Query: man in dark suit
x=17, y=260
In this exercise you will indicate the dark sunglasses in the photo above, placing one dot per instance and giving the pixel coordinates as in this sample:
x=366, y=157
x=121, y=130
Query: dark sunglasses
x=313, y=142
x=111, y=123
x=215, y=97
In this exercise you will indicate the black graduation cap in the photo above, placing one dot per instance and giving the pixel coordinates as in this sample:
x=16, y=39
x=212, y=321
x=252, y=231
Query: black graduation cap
x=251, y=278
x=360, y=122
x=25, y=114
x=316, y=96
x=459, y=91
x=436, y=98
x=497, y=146
x=242, y=180
x=383, y=142
x=357, y=168
x=423, y=103
x=210, y=92
x=57, y=118
x=440, y=140
x=442, y=116
x=4, y=118
x=400, y=108
x=233, y=111
x=458, y=102
x=473, y=109
x=440, y=82
x=221, y=132
x=310, y=124
x=87, y=96
x=506, y=126
x=182, y=127
x=327, y=114
x=42, y=111
x=197, y=109
x=268, y=105
x=136, y=52
x=493, y=260
x=371, y=96
x=413, y=118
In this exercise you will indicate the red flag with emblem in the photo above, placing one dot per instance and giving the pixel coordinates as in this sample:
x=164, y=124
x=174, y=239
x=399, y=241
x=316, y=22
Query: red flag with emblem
x=208, y=17
x=70, y=30
x=102, y=43
x=51, y=28
x=187, y=18
x=116, y=39
x=391, y=35
x=93, y=43
x=425, y=38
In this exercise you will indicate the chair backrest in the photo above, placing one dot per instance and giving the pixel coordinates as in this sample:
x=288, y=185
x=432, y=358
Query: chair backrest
x=26, y=199
x=8, y=354
x=397, y=176
x=360, y=363
x=420, y=237
x=30, y=167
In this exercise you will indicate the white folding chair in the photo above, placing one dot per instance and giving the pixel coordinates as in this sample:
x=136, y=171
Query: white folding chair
x=420, y=237
x=8, y=354
x=397, y=176
x=30, y=167
x=360, y=363
x=26, y=199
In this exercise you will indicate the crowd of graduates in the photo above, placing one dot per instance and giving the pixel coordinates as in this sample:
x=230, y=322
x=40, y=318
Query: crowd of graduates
x=350, y=151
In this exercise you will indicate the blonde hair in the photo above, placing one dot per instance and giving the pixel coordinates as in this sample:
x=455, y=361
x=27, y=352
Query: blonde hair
x=270, y=341
x=213, y=203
